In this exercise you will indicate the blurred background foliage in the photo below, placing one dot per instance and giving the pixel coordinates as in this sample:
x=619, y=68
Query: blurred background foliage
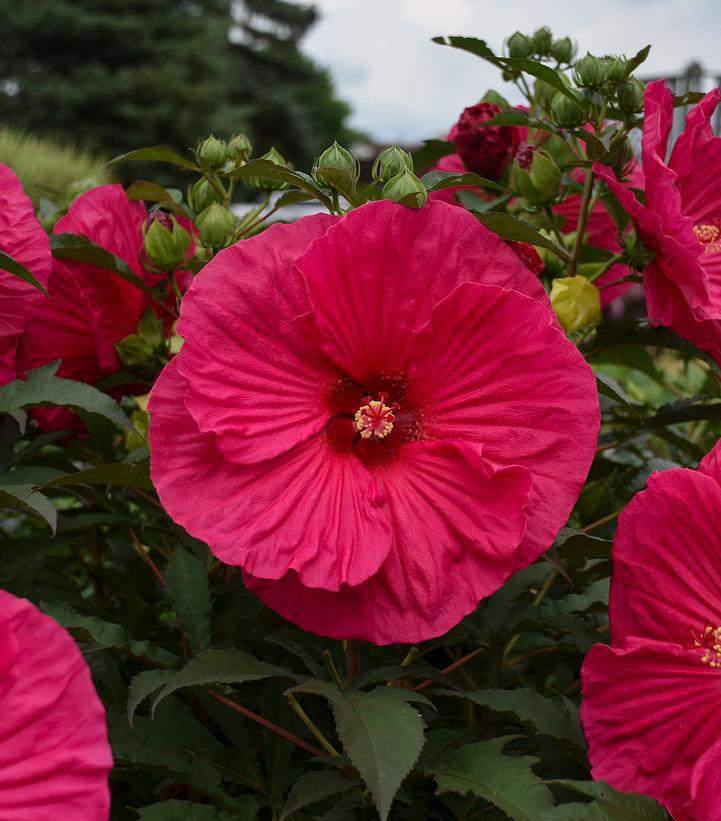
x=109, y=75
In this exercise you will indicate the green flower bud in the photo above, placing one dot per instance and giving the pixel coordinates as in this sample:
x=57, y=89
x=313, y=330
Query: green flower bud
x=630, y=96
x=519, y=45
x=494, y=98
x=212, y=153
x=146, y=351
x=563, y=50
x=552, y=264
x=390, y=162
x=215, y=224
x=535, y=176
x=335, y=158
x=565, y=113
x=576, y=302
x=406, y=189
x=263, y=184
x=165, y=243
x=202, y=194
x=589, y=72
x=614, y=68
x=544, y=94
x=239, y=148
x=138, y=438
x=542, y=39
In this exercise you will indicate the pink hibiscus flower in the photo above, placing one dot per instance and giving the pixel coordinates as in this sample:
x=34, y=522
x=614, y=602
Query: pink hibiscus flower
x=23, y=238
x=649, y=700
x=54, y=752
x=681, y=218
x=378, y=416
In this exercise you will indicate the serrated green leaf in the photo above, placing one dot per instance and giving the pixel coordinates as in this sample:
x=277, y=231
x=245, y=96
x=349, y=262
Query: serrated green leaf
x=189, y=594
x=554, y=717
x=143, y=685
x=220, y=667
x=438, y=180
x=542, y=72
x=608, y=805
x=572, y=543
x=472, y=45
x=265, y=169
x=609, y=387
x=314, y=786
x=29, y=500
x=155, y=153
x=381, y=733
x=42, y=387
x=12, y=266
x=506, y=781
x=104, y=633
x=510, y=227
x=122, y=473
x=187, y=811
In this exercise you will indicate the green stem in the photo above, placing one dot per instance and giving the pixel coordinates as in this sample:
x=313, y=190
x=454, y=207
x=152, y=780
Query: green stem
x=582, y=220
x=552, y=225
x=607, y=265
x=306, y=719
x=332, y=669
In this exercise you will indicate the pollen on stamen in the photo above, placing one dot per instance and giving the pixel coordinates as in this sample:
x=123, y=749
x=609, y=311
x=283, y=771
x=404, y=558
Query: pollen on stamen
x=708, y=641
x=709, y=235
x=375, y=418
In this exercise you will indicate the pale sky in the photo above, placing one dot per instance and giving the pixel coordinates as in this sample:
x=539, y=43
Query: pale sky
x=403, y=87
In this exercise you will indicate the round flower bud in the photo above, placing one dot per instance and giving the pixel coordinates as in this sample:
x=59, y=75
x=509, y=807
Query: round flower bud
x=215, y=224
x=536, y=177
x=565, y=113
x=542, y=39
x=562, y=50
x=391, y=162
x=519, y=45
x=614, y=68
x=165, y=243
x=335, y=158
x=202, y=194
x=239, y=148
x=265, y=184
x=212, y=153
x=630, y=96
x=146, y=351
x=406, y=189
x=589, y=72
x=487, y=150
x=576, y=302
x=544, y=94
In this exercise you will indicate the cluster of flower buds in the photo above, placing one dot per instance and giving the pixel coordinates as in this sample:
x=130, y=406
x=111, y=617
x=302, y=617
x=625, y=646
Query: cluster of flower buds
x=334, y=164
x=165, y=242
x=214, y=154
x=541, y=44
x=535, y=177
x=266, y=183
x=393, y=167
x=145, y=352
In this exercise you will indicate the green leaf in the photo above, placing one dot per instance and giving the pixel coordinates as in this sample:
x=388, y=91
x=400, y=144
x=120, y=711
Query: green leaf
x=509, y=227
x=608, y=804
x=609, y=387
x=438, y=180
x=220, y=667
x=573, y=544
x=635, y=62
x=516, y=117
x=151, y=192
x=123, y=474
x=265, y=169
x=187, y=811
x=381, y=733
x=142, y=686
x=12, y=266
x=507, y=782
x=155, y=153
x=473, y=45
x=104, y=633
x=542, y=72
x=430, y=152
x=189, y=594
x=689, y=98
x=314, y=786
x=27, y=499
x=42, y=387
x=554, y=717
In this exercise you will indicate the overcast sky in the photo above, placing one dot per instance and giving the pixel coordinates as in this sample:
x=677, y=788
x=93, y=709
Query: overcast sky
x=403, y=87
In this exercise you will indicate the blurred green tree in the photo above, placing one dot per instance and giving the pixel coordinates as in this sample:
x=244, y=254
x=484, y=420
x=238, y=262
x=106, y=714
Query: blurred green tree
x=120, y=74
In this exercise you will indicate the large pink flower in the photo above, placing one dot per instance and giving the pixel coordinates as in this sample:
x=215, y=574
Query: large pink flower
x=650, y=700
x=681, y=218
x=376, y=416
x=54, y=752
x=22, y=238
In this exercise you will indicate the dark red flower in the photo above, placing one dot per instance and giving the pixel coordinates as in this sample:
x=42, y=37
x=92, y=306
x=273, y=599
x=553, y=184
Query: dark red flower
x=487, y=150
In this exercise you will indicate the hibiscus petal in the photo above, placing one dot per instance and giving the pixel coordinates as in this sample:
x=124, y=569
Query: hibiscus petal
x=54, y=753
x=667, y=559
x=706, y=785
x=456, y=519
x=255, y=379
x=312, y=509
x=374, y=277
x=491, y=368
x=711, y=463
x=649, y=712
x=23, y=238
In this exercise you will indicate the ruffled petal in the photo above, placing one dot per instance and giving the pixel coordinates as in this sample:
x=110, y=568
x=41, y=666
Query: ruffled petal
x=711, y=463
x=492, y=368
x=649, y=713
x=667, y=560
x=312, y=509
x=23, y=238
x=456, y=520
x=54, y=752
x=374, y=277
x=255, y=377
x=706, y=785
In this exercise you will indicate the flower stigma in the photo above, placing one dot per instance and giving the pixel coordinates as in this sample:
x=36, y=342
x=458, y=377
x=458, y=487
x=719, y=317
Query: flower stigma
x=375, y=418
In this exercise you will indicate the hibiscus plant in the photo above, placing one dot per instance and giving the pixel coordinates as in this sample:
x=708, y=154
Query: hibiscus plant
x=406, y=509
